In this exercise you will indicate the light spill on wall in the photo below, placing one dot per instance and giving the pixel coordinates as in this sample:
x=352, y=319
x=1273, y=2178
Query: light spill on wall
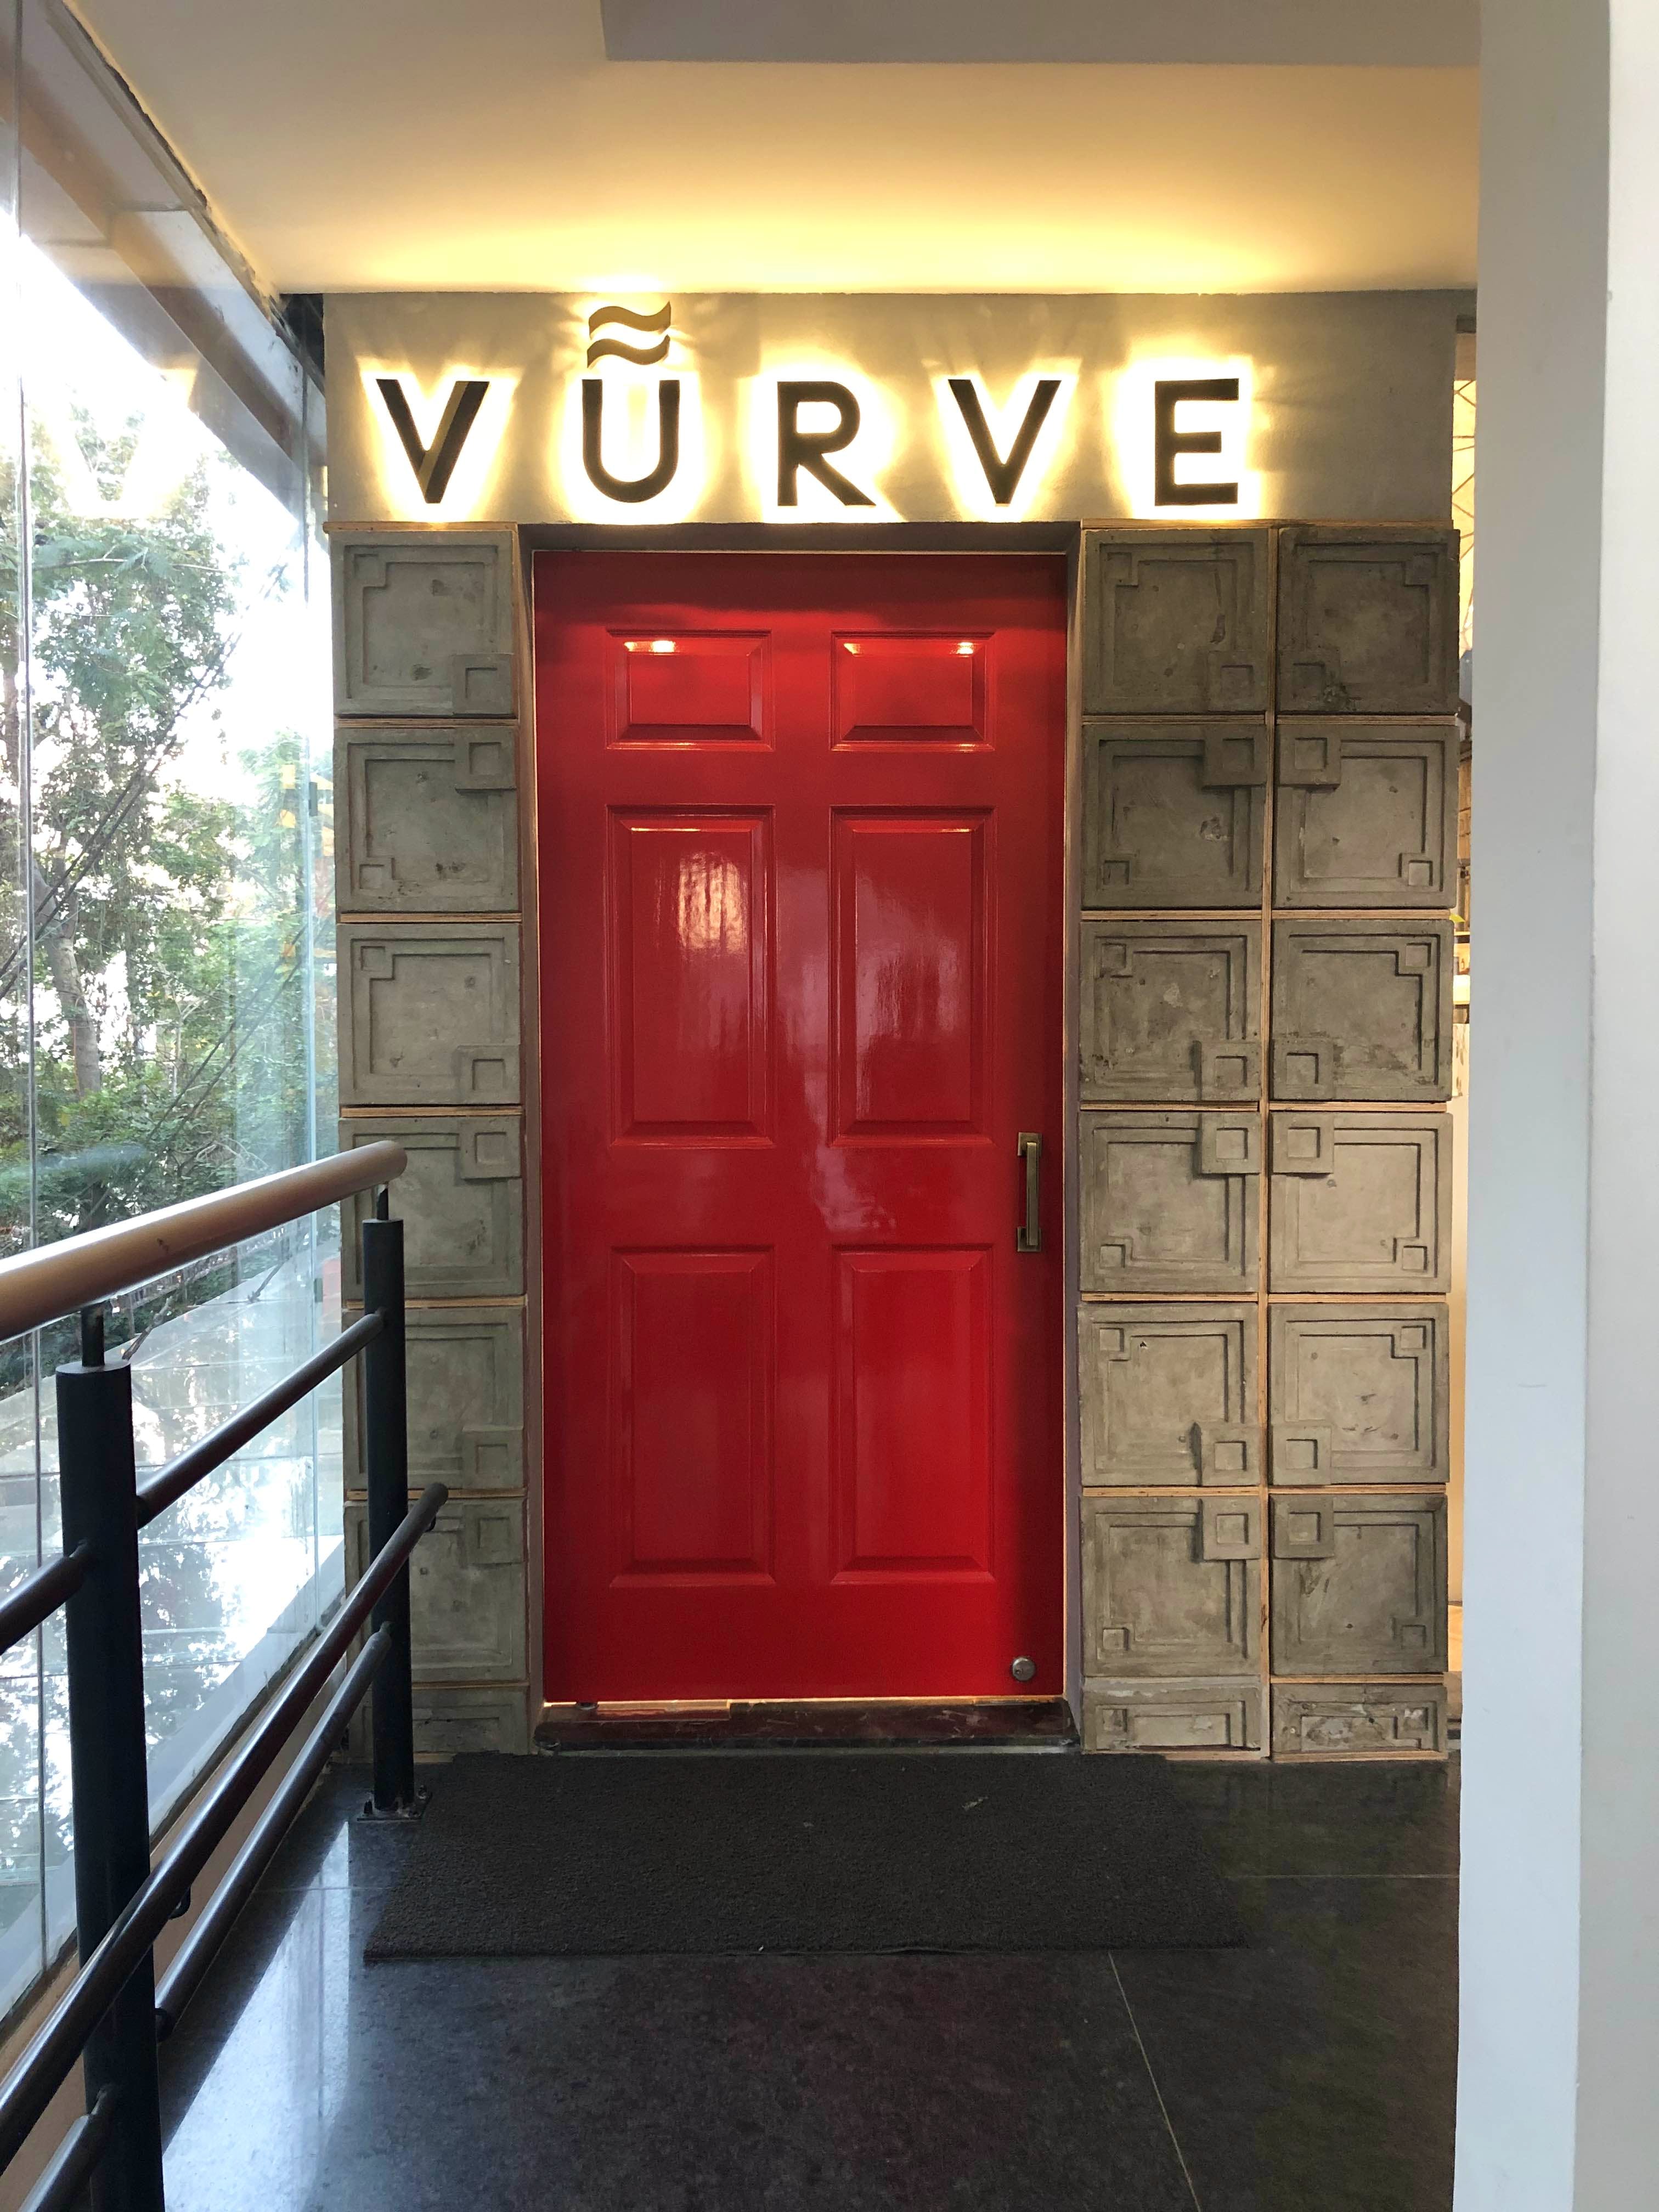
x=1343, y=408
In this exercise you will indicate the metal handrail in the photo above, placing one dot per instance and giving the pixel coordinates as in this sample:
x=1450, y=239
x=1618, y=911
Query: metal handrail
x=34, y=2080
x=111, y=2017
x=77, y=2159
x=39, y=1596
x=36, y=1287
x=265, y=1838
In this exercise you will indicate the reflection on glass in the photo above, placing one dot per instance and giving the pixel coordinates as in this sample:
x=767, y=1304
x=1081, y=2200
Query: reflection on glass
x=170, y=772
x=166, y=1008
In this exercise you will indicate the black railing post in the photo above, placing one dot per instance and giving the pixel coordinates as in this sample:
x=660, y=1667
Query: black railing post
x=109, y=1768
x=386, y=1454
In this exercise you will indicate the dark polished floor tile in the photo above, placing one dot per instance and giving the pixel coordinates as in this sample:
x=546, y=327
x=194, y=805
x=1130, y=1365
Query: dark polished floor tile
x=1317, y=1821
x=1311, y=2072
x=1314, y=2070
x=285, y=1983
x=332, y=1842
x=302, y=2079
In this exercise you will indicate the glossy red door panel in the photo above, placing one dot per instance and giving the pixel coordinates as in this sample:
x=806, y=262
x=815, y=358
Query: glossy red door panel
x=913, y=1399
x=689, y=908
x=691, y=688
x=910, y=894
x=799, y=837
x=693, y=1346
x=899, y=690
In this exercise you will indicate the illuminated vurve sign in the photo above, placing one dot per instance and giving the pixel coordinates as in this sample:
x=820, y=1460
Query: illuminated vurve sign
x=800, y=448
x=1003, y=471
x=817, y=438
x=1169, y=443
x=631, y=492
x=435, y=464
x=642, y=356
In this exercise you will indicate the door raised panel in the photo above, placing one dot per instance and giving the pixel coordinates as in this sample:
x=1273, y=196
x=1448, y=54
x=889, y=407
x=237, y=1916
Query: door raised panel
x=429, y=820
x=1359, y=1202
x=1168, y=1395
x=693, y=1347
x=691, y=689
x=1170, y=1586
x=910, y=954
x=1172, y=1011
x=432, y=1018
x=1174, y=813
x=1219, y=1714
x=424, y=624
x=466, y=1589
x=1358, y=1585
x=465, y=1383
x=690, y=896
x=1367, y=621
x=1359, y=1393
x=1169, y=1202
x=893, y=689
x=1361, y=1010
x=1327, y=1719
x=460, y=1199
x=1176, y=623
x=912, y=1413
x=1365, y=814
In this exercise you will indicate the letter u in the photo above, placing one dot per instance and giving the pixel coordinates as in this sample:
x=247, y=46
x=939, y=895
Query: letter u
x=635, y=489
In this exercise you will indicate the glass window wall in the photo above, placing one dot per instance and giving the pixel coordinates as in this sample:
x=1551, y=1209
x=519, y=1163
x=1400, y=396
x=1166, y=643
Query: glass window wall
x=166, y=945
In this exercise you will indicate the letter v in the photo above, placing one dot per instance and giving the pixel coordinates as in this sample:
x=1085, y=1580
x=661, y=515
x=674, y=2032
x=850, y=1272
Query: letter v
x=435, y=464
x=1002, y=475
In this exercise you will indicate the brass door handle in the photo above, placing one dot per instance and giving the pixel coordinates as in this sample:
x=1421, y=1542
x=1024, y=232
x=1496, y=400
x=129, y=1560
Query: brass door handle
x=1028, y=1238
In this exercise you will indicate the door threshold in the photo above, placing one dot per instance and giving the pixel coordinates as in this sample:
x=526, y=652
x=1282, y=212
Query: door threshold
x=849, y=1723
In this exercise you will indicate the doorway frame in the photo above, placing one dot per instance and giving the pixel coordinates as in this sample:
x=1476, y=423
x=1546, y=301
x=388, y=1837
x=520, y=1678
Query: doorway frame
x=1052, y=539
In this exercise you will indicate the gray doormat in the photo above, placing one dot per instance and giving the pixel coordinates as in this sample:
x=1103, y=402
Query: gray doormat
x=826, y=1851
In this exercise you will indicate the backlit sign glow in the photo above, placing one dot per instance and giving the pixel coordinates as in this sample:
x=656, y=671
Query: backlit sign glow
x=1182, y=430
x=635, y=439
x=819, y=437
x=1000, y=456
x=440, y=440
x=634, y=448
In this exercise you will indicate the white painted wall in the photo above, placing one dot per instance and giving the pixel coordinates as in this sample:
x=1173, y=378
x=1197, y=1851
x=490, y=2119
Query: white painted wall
x=1538, y=466
x=1557, y=2105
x=1617, y=2159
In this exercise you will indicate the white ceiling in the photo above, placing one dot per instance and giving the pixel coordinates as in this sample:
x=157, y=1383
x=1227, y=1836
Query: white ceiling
x=431, y=144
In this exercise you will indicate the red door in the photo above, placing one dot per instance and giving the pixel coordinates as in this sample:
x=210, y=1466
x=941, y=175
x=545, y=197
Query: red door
x=801, y=964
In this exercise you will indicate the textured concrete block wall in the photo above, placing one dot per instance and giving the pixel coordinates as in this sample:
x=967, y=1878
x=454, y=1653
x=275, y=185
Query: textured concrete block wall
x=427, y=634
x=1268, y=864
x=1268, y=859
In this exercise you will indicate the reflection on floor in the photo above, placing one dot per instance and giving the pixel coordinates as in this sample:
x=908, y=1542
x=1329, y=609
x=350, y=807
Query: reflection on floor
x=1312, y=2072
